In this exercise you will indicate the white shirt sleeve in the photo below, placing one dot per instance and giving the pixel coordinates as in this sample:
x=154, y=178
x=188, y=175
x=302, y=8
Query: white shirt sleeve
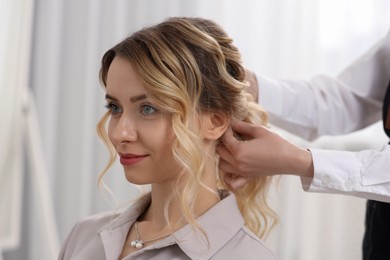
x=364, y=174
x=331, y=106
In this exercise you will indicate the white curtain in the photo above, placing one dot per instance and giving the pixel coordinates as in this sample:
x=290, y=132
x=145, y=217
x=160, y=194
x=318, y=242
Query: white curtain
x=283, y=39
x=27, y=221
x=15, y=44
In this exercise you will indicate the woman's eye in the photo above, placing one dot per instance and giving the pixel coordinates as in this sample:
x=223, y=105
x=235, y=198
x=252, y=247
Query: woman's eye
x=148, y=110
x=114, y=109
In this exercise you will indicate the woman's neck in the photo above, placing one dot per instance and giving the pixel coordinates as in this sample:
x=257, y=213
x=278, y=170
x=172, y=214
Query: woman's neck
x=162, y=194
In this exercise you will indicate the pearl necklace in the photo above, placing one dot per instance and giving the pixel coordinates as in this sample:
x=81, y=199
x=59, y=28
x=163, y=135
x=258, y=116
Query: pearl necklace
x=138, y=243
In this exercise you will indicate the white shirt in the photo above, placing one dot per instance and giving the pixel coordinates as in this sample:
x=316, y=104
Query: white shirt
x=102, y=237
x=332, y=106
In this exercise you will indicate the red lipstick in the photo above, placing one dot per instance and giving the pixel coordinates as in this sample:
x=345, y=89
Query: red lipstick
x=131, y=159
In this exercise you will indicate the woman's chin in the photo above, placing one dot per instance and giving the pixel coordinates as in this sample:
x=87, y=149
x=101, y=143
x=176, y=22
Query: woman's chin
x=137, y=181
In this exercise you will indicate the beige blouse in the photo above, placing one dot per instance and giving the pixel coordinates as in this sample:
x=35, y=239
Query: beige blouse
x=102, y=237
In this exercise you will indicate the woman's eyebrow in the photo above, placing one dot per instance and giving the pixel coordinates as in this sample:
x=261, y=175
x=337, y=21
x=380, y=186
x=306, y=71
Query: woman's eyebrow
x=138, y=98
x=132, y=99
x=111, y=97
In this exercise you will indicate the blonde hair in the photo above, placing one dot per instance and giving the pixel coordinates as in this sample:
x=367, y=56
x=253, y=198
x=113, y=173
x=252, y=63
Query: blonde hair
x=189, y=66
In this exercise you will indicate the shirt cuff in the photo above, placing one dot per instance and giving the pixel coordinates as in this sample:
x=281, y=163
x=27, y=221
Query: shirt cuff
x=333, y=171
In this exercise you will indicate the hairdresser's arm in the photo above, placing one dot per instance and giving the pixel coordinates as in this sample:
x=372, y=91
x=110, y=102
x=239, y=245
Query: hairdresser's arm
x=362, y=174
x=351, y=101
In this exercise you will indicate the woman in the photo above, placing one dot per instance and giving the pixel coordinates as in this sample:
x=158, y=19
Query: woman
x=172, y=91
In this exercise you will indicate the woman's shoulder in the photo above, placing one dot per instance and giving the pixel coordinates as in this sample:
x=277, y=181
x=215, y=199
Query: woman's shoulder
x=246, y=245
x=83, y=241
x=112, y=218
x=227, y=235
x=89, y=227
x=97, y=221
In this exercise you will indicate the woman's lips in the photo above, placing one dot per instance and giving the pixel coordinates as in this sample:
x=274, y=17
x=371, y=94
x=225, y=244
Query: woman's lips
x=128, y=160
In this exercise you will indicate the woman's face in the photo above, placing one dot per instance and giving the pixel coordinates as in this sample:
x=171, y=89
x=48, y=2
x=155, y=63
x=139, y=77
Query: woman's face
x=140, y=132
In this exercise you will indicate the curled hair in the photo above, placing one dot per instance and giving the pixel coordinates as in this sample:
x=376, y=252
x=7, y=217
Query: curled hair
x=190, y=66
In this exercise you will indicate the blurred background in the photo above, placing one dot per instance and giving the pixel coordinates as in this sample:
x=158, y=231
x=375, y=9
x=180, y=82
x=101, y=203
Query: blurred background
x=51, y=100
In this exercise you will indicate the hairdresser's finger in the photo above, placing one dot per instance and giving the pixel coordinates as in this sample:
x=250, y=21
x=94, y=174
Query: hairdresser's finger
x=226, y=166
x=247, y=130
x=229, y=141
x=235, y=181
x=253, y=88
x=225, y=154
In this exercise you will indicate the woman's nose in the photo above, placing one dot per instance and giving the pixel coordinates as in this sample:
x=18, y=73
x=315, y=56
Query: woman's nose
x=124, y=131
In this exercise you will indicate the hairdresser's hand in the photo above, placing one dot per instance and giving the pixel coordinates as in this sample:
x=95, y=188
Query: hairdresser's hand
x=253, y=88
x=265, y=153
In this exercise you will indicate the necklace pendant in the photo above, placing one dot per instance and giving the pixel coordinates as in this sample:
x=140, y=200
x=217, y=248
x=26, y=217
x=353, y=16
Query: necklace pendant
x=138, y=244
x=133, y=243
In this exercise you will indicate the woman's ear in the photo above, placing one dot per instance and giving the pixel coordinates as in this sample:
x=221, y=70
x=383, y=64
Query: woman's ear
x=214, y=125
